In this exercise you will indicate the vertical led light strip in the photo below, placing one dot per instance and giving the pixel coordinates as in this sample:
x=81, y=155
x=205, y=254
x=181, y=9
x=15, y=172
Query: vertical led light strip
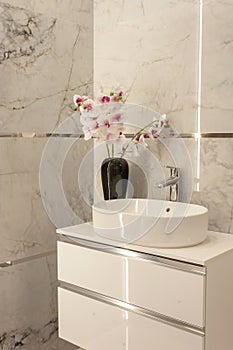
x=127, y=300
x=198, y=133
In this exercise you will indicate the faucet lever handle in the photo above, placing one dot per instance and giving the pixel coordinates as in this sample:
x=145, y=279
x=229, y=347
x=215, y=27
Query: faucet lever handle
x=170, y=167
x=174, y=170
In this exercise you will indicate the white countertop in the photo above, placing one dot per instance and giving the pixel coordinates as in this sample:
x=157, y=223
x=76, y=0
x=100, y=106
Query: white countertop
x=214, y=245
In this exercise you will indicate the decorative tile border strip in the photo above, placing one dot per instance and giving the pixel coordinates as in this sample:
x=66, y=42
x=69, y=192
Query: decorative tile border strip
x=80, y=136
x=10, y=263
x=37, y=135
x=208, y=135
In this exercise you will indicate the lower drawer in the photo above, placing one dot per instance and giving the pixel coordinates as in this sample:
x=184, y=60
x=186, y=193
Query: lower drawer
x=95, y=325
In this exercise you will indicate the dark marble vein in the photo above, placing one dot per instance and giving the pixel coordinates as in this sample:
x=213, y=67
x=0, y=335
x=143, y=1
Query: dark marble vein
x=25, y=36
x=29, y=337
x=67, y=88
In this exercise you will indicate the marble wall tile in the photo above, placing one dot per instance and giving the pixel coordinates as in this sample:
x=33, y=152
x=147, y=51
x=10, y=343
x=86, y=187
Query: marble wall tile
x=29, y=290
x=217, y=72
x=79, y=193
x=69, y=9
x=25, y=289
x=45, y=58
x=216, y=183
x=46, y=55
x=149, y=49
x=26, y=228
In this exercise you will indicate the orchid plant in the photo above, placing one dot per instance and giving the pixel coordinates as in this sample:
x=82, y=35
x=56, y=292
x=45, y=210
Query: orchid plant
x=107, y=124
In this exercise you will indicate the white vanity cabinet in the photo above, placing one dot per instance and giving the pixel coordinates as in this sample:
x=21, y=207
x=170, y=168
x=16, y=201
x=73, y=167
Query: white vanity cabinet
x=134, y=297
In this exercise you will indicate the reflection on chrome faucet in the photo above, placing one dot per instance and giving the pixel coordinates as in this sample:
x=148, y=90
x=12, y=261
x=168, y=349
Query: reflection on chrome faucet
x=172, y=182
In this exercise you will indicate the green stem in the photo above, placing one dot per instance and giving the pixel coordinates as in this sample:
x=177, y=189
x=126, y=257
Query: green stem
x=135, y=135
x=108, y=151
x=112, y=150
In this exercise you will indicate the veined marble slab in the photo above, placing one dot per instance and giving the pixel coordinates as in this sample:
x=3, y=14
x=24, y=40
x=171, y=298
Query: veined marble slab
x=26, y=228
x=149, y=49
x=217, y=72
x=28, y=307
x=216, y=183
x=45, y=58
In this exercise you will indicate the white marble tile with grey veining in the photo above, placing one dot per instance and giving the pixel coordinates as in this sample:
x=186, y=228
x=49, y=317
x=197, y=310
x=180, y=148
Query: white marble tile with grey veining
x=70, y=9
x=26, y=227
x=28, y=290
x=77, y=179
x=28, y=308
x=216, y=183
x=217, y=72
x=149, y=49
x=44, y=60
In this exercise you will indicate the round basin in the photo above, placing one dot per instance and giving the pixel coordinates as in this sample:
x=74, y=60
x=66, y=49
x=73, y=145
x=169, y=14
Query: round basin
x=151, y=222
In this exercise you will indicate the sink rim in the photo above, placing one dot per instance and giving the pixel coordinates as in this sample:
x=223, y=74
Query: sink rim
x=163, y=206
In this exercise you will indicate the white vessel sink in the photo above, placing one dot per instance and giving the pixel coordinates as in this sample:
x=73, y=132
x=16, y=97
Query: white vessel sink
x=150, y=222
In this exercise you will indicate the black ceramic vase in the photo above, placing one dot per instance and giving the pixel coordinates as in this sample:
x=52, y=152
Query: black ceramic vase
x=114, y=175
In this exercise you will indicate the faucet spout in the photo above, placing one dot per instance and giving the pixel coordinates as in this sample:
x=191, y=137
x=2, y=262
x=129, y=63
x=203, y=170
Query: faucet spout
x=173, y=180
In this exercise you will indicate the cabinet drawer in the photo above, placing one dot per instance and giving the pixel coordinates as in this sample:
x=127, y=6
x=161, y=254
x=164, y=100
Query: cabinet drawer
x=95, y=325
x=175, y=293
x=87, y=268
x=171, y=292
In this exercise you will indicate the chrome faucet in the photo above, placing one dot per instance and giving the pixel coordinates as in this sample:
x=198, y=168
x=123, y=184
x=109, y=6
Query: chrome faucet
x=172, y=182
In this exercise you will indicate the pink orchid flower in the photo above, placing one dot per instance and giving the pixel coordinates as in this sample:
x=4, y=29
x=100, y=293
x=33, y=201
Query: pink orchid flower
x=87, y=119
x=105, y=99
x=154, y=133
x=106, y=123
x=87, y=104
x=78, y=100
x=116, y=97
x=141, y=140
x=90, y=130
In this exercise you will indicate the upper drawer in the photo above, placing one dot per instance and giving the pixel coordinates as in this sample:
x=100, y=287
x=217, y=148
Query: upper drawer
x=165, y=290
x=172, y=292
x=92, y=269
